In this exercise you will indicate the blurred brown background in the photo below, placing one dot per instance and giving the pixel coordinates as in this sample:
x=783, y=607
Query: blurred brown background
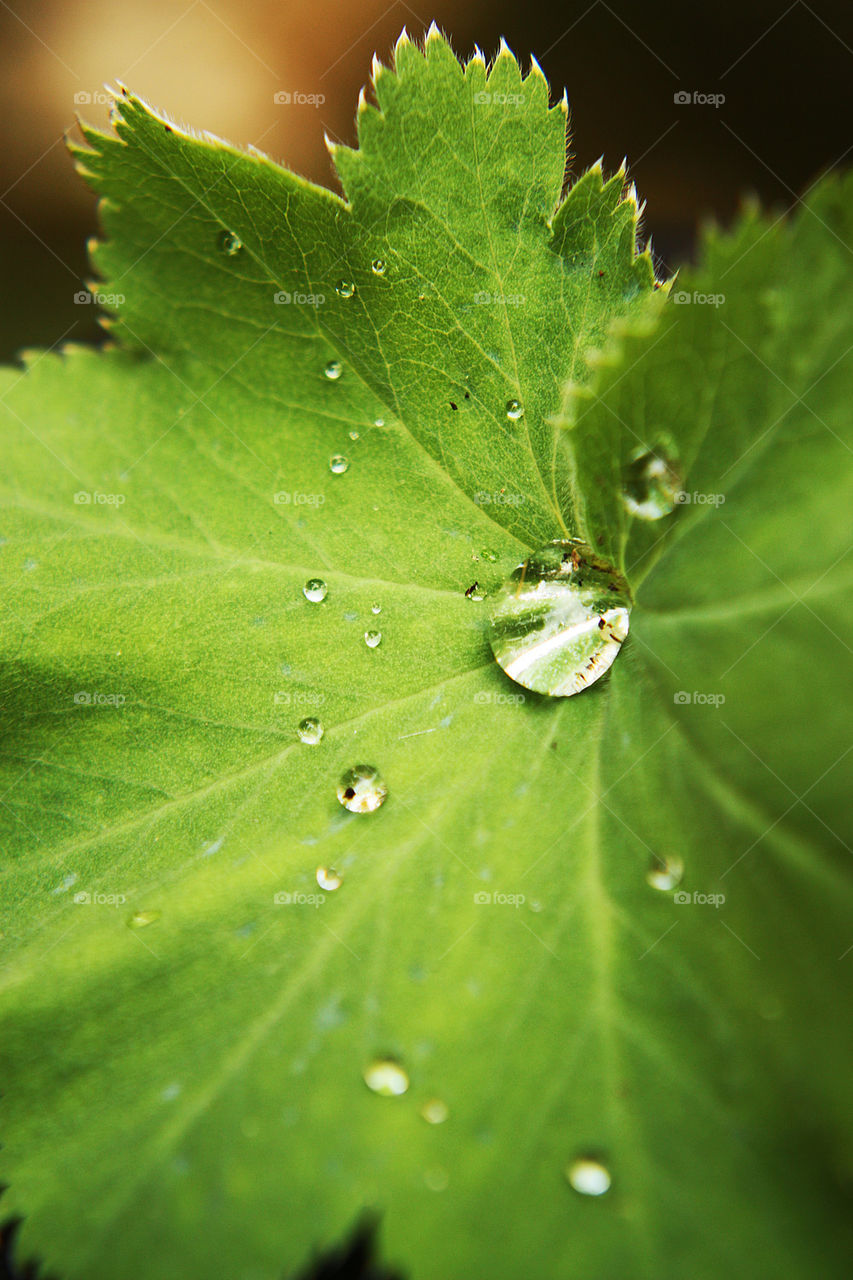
x=785, y=69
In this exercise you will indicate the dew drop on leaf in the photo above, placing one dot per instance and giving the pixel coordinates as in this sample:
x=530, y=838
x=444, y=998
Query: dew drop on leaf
x=665, y=873
x=338, y=464
x=345, y=288
x=372, y=639
x=588, y=1177
x=377, y=266
x=434, y=1111
x=333, y=370
x=514, y=410
x=560, y=619
x=652, y=482
x=353, y=435
x=386, y=1077
x=376, y=608
x=230, y=243
x=141, y=919
x=310, y=731
x=315, y=590
x=489, y=555
x=379, y=422
x=328, y=878
x=361, y=790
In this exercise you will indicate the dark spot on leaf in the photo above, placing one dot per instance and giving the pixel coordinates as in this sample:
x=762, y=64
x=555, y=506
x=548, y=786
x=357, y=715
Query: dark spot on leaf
x=453, y=406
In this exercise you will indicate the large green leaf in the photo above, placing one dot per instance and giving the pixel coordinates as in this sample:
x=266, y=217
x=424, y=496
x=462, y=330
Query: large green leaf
x=185, y=1096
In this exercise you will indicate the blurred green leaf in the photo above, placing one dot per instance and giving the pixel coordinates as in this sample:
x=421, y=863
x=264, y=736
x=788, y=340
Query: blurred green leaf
x=185, y=1055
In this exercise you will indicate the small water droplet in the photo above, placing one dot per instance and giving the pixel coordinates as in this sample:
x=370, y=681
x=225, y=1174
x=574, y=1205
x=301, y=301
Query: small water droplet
x=376, y=608
x=328, y=878
x=379, y=422
x=386, y=1077
x=353, y=435
x=559, y=620
x=140, y=919
x=230, y=243
x=377, y=266
x=665, y=873
x=372, y=639
x=434, y=1111
x=361, y=790
x=437, y=1178
x=345, y=288
x=474, y=592
x=333, y=370
x=514, y=410
x=310, y=731
x=652, y=482
x=338, y=464
x=489, y=555
x=315, y=590
x=589, y=1177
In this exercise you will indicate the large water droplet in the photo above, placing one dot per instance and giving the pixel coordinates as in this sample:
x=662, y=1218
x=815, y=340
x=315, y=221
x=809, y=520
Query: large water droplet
x=315, y=590
x=589, y=1177
x=560, y=619
x=230, y=243
x=372, y=639
x=345, y=288
x=652, y=482
x=514, y=410
x=328, y=879
x=434, y=1111
x=361, y=790
x=386, y=1077
x=333, y=370
x=665, y=873
x=310, y=731
x=377, y=266
x=338, y=464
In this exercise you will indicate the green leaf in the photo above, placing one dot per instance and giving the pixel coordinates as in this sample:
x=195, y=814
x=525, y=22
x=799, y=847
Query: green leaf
x=186, y=1055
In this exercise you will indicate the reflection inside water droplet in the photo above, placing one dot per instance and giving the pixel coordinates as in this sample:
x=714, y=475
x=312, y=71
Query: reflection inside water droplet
x=652, y=482
x=315, y=590
x=514, y=410
x=560, y=619
x=345, y=288
x=665, y=873
x=230, y=243
x=141, y=919
x=333, y=370
x=328, y=878
x=386, y=1077
x=588, y=1176
x=377, y=266
x=372, y=639
x=361, y=790
x=310, y=731
x=338, y=464
x=435, y=1111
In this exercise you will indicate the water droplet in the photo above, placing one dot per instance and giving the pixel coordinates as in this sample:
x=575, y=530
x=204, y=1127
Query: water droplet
x=377, y=266
x=652, y=482
x=333, y=370
x=328, y=878
x=345, y=288
x=376, y=608
x=437, y=1178
x=338, y=464
x=514, y=410
x=560, y=619
x=386, y=1077
x=361, y=790
x=315, y=590
x=588, y=1176
x=230, y=243
x=489, y=555
x=665, y=873
x=353, y=435
x=379, y=422
x=372, y=639
x=435, y=1111
x=474, y=592
x=310, y=731
x=140, y=919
